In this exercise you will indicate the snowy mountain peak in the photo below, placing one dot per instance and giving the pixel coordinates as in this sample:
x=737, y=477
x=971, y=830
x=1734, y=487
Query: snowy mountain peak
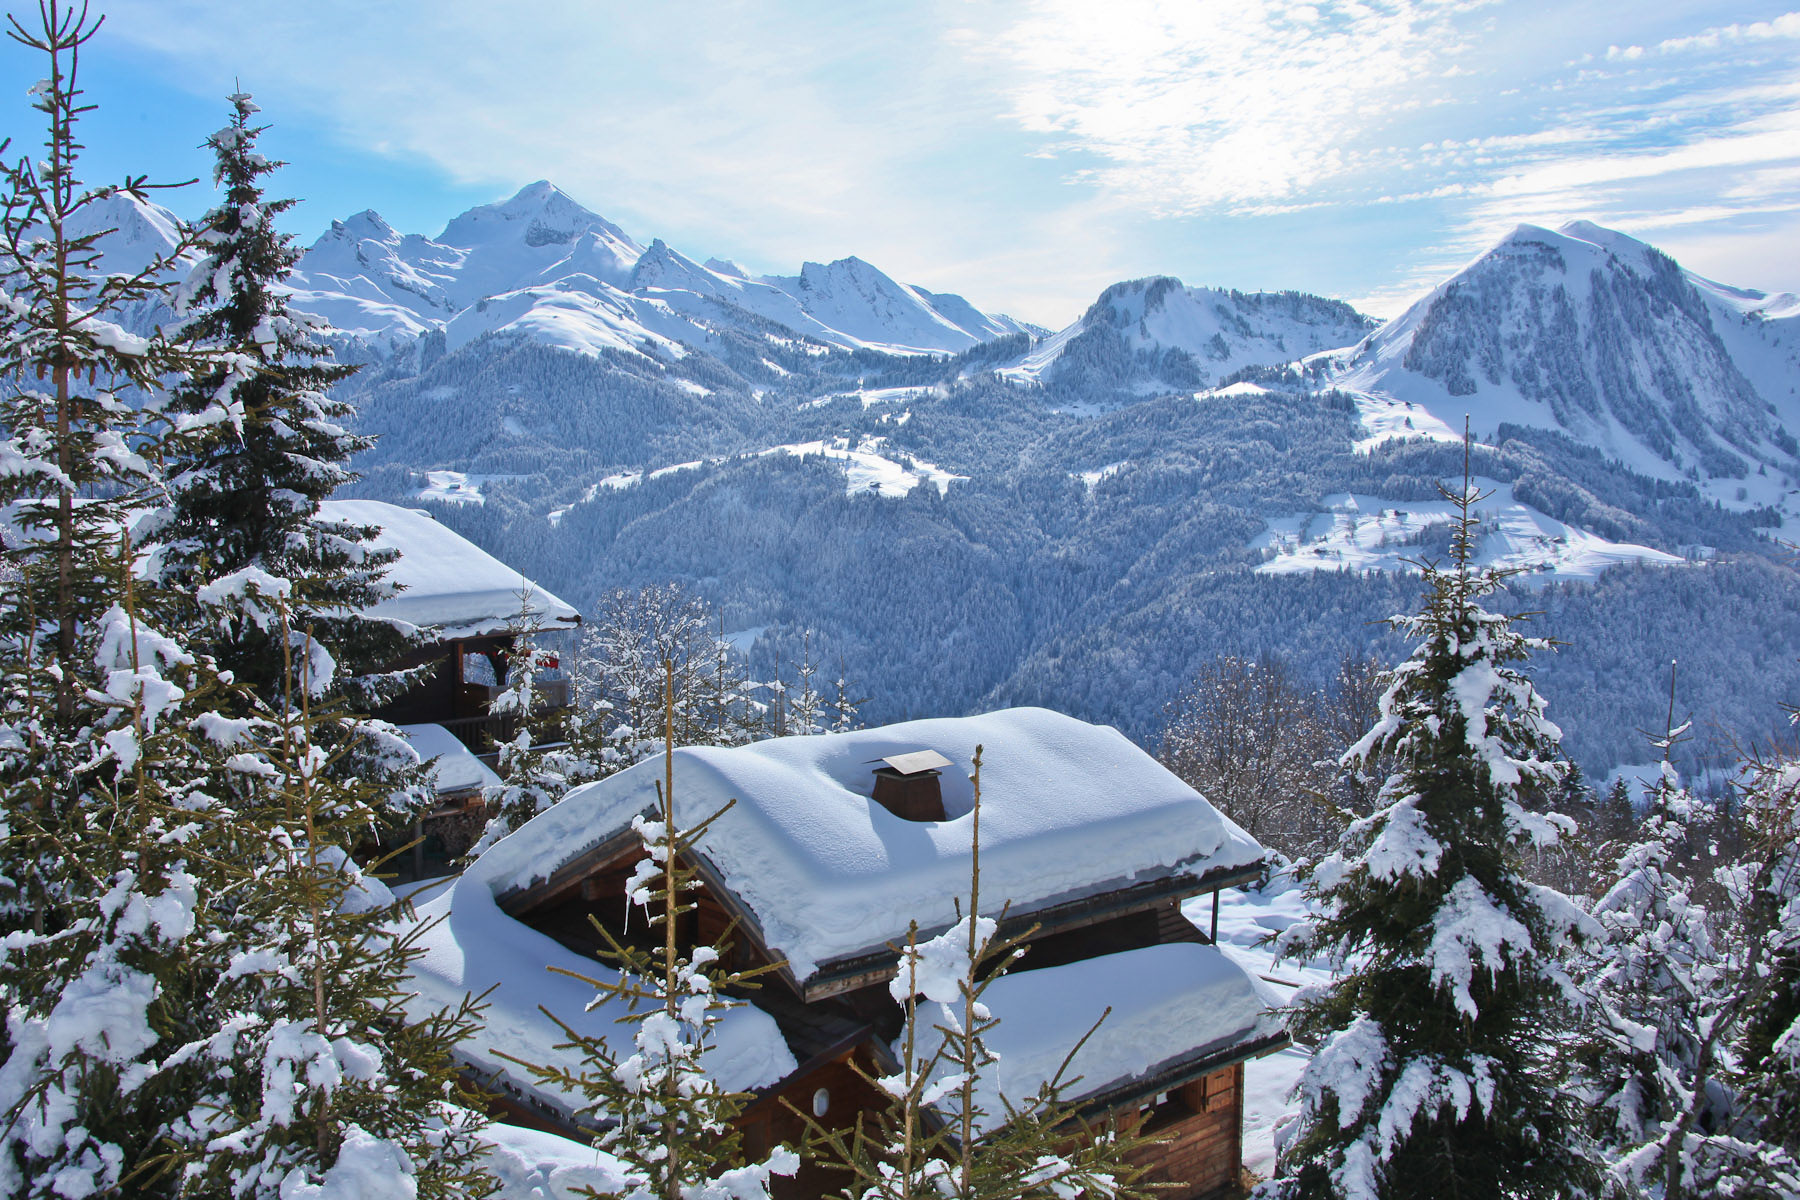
x=1155, y=335
x=1591, y=332
x=134, y=233
x=540, y=213
x=366, y=226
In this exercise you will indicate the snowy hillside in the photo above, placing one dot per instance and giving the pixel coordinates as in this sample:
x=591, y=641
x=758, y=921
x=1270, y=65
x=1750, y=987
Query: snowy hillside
x=1597, y=335
x=1369, y=533
x=1151, y=336
x=1079, y=521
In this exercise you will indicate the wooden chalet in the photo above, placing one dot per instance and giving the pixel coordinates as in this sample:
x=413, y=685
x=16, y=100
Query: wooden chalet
x=470, y=603
x=834, y=843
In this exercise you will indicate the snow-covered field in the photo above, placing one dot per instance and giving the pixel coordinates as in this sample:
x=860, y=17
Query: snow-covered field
x=1369, y=533
x=867, y=469
x=456, y=487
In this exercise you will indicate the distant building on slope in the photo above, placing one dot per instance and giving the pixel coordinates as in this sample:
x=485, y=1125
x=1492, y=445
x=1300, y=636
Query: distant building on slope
x=470, y=603
x=834, y=844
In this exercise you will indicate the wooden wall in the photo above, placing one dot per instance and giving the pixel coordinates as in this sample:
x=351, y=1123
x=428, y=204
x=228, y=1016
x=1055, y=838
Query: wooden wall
x=1202, y=1123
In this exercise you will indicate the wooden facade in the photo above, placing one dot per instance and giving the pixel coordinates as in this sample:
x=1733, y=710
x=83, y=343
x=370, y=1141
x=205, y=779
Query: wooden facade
x=843, y=1018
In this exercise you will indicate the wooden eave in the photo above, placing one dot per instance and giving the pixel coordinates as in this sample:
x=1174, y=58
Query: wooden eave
x=867, y=968
x=864, y=969
x=516, y=902
x=1168, y=1076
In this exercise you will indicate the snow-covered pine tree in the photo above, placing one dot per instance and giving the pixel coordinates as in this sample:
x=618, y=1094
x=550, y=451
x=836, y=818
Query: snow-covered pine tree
x=664, y=1118
x=261, y=442
x=730, y=712
x=1431, y=1078
x=1761, y=1155
x=542, y=759
x=1654, y=982
x=74, y=460
x=937, y=1141
x=805, y=704
x=620, y=673
x=843, y=705
x=115, y=835
x=1615, y=820
x=324, y=1078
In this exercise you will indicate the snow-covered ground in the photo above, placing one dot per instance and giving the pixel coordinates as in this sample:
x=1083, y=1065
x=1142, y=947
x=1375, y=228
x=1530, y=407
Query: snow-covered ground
x=1246, y=918
x=1369, y=533
x=868, y=469
x=455, y=487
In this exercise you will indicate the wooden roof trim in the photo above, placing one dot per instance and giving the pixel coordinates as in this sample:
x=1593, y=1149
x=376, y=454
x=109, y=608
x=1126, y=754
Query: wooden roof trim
x=877, y=966
x=518, y=901
x=1171, y=1075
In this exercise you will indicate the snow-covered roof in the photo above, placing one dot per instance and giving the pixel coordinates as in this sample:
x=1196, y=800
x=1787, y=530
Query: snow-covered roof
x=449, y=582
x=1171, y=1005
x=471, y=946
x=1069, y=810
x=454, y=767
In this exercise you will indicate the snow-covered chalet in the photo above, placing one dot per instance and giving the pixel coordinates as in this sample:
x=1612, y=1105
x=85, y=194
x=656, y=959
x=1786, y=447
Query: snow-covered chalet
x=469, y=603
x=834, y=844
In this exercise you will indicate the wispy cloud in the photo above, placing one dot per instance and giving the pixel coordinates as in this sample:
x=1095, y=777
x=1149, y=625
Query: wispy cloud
x=1197, y=107
x=1787, y=25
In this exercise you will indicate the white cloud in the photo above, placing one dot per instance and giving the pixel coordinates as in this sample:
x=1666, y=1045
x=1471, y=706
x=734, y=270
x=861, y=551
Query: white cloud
x=1028, y=152
x=1787, y=25
x=1197, y=107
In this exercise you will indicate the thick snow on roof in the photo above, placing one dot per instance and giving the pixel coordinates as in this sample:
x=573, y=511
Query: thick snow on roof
x=1169, y=1003
x=471, y=946
x=1068, y=810
x=449, y=581
x=454, y=767
x=530, y=1164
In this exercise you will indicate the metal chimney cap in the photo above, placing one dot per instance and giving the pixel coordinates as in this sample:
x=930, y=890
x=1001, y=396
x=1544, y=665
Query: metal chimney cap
x=915, y=761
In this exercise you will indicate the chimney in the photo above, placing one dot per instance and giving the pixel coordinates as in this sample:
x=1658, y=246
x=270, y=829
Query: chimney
x=907, y=785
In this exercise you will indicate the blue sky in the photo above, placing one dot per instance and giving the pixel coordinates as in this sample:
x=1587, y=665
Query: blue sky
x=1024, y=153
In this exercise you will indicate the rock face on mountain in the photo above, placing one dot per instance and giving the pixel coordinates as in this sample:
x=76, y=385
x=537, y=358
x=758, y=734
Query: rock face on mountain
x=1151, y=336
x=1597, y=335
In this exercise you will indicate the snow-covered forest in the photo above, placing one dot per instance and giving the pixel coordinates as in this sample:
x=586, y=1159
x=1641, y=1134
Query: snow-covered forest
x=1402, y=660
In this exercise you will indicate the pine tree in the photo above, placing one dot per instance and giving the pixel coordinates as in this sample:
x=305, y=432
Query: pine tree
x=620, y=674
x=843, y=706
x=1655, y=982
x=140, y=876
x=1759, y=1155
x=805, y=705
x=1431, y=1075
x=542, y=759
x=669, y=1123
x=322, y=1073
x=116, y=836
x=262, y=443
x=1616, y=820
